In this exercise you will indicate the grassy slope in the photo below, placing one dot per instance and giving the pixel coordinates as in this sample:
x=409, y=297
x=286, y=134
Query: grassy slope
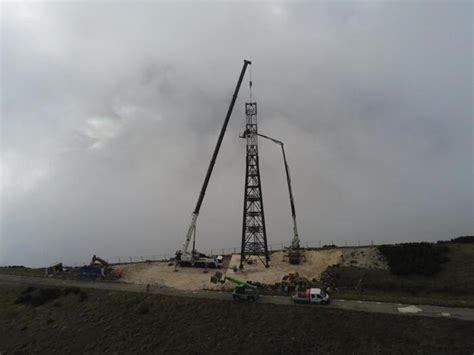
x=453, y=285
x=119, y=321
x=26, y=271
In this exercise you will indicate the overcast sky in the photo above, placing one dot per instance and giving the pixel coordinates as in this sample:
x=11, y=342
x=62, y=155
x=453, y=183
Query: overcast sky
x=110, y=113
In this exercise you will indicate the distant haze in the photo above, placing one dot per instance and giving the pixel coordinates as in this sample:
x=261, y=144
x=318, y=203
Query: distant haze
x=110, y=113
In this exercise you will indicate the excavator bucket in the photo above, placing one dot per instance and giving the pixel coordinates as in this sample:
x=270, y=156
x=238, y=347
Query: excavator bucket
x=217, y=277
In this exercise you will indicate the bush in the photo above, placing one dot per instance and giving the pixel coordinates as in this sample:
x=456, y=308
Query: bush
x=369, y=279
x=414, y=258
x=24, y=298
x=464, y=239
x=45, y=295
x=143, y=309
x=38, y=297
x=74, y=290
x=28, y=290
x=82, y=296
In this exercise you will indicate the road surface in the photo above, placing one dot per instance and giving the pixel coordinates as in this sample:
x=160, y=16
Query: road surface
x=364, y=306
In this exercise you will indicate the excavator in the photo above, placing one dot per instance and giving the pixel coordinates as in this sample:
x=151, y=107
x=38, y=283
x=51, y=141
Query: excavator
x=185, y=256
x=244, y=291
x=98, y=267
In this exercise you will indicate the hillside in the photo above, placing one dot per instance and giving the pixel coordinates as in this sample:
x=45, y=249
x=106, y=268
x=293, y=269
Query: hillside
x=453, y=284
x=104, y=321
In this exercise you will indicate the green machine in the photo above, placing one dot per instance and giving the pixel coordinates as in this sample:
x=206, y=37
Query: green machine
x=244, y=291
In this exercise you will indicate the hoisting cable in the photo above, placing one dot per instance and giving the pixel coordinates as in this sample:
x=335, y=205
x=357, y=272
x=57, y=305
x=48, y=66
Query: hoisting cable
x=250, y=83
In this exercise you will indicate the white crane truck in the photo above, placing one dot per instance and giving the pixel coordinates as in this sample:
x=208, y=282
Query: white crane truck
x=185, y=256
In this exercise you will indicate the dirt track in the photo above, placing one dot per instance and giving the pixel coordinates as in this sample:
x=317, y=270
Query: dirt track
x=110, y=321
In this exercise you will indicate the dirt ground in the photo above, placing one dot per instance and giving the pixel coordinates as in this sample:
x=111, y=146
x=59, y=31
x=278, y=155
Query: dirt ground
x=316, y=261
x=163, y=274
x=124, y=322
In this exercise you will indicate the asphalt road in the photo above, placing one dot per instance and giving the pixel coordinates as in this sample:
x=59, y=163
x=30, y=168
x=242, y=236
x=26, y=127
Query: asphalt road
x=363, y=306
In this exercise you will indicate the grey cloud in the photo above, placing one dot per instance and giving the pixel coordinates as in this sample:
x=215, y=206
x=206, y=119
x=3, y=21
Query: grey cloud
x=110, y=113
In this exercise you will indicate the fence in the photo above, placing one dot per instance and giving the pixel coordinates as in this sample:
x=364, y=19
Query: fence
x=236, y=250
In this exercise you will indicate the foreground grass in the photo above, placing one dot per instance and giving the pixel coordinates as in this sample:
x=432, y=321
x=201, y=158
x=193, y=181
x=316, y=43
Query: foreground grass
x=400, y=297
x=129, y=322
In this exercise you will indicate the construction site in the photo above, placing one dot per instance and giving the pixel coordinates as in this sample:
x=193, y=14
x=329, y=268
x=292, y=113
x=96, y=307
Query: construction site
x=255, y=265
x=243, y=177
x=359, y=293
x=255, y=270
x=165, y=273
x=189, y=269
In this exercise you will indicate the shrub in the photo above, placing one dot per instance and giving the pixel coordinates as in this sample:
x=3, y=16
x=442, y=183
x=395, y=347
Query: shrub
x=37, y=297
x=368, y=279
x=45, y=295
x=414, y=258
x=28, y=290
x=143, y=309
x=82, y=296
x=74, y=290
x=463, y=239
x=25, y=298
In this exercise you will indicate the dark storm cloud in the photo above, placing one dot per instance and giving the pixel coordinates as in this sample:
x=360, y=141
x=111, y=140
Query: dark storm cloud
x=110, y=113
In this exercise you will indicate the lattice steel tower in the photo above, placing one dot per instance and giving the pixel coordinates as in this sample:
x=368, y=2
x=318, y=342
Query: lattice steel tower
x=254, y=234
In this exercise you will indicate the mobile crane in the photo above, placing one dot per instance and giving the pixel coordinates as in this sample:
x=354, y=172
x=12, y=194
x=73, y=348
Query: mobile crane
x=294, y=252
x=244, y=291
x=185, y=257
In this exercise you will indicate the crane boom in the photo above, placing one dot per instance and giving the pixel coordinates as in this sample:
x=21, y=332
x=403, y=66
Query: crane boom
x=240, y=282
x=296, y=240
x=195, y=214
x=295, y=243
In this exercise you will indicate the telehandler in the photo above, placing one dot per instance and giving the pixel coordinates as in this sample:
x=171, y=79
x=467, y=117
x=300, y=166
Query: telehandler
x=244, y=291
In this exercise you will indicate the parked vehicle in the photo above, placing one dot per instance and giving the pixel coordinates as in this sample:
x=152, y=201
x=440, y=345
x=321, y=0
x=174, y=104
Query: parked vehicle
x=310, y=295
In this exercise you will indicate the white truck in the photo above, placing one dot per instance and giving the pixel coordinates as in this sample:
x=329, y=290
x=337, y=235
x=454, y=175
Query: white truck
x=310, y=295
